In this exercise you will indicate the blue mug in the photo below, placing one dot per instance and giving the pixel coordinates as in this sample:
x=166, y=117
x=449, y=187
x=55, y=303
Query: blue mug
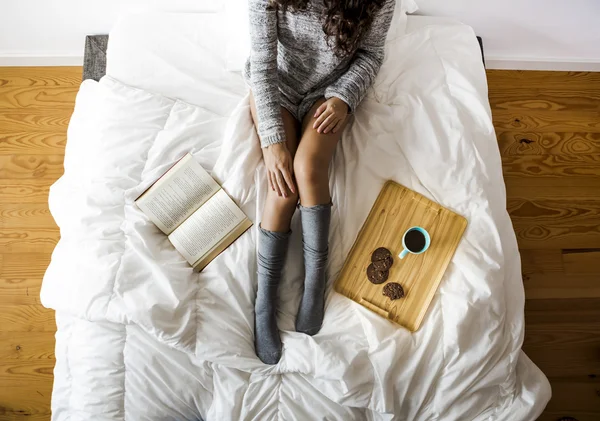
x=412, y=249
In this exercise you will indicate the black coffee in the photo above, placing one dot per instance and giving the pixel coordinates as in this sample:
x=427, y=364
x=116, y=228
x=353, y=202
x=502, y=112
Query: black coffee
x=415, y=241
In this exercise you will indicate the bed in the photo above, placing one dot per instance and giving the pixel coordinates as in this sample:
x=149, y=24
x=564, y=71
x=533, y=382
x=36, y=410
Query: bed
x=142, y=337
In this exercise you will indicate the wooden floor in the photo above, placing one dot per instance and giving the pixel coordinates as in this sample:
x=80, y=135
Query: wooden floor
x=35, y=107
x=548, y=127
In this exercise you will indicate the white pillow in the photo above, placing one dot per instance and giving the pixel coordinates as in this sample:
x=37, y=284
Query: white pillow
x=410, y=6
x=238, y=46
x=398, y=26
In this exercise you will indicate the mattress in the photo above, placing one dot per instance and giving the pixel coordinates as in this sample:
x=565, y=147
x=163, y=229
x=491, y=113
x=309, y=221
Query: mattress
x=142, y=337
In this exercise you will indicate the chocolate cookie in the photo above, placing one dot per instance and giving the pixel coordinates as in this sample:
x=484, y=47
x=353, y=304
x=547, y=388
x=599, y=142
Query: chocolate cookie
x=377, y=276
x=393, y=291
x=384, y=264
x=380, y=254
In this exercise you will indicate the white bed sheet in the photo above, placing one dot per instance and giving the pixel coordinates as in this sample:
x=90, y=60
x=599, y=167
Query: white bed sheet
x=426, y=124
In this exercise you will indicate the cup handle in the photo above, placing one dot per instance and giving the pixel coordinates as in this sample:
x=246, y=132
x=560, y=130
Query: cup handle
x=403, y=254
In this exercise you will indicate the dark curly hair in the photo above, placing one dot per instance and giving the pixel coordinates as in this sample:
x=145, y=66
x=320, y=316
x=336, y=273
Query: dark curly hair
x=345, y=21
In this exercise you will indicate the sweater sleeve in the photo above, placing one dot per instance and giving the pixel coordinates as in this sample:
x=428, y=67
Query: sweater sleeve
x=263, y=71
x=353, y=85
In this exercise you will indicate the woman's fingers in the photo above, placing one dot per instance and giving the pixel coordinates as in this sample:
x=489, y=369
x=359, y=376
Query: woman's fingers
x=331, y=125
x=275, y=185
x=281, y=184
x=287, y=176
x=326, y=123
x=321, y=118
x=338, y=125
x=270, y=179
x=320, y=110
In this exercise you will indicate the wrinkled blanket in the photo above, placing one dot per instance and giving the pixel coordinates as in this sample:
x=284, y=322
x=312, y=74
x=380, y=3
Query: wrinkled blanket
x=136, y=325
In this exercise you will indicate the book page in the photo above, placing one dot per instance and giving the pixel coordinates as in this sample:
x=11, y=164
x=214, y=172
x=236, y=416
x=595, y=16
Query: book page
x=177, y=194
x=222, y=245
x=206, y=227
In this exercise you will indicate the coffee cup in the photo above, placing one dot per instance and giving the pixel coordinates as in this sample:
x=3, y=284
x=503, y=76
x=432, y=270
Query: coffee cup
x=415, y=240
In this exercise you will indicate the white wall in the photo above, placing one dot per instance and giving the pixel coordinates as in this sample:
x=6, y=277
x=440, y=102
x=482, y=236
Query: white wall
x=530, y=34
x=517, y=33
x=52, y=32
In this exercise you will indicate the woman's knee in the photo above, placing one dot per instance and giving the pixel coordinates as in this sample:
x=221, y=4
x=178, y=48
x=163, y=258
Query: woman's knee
x=281, y=204
x=310, y=169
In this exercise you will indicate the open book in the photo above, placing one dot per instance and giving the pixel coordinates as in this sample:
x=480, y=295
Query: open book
x=189, y=206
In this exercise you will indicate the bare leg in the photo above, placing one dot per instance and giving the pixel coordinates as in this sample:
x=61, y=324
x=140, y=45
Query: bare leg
x=274, y=234
x=311, y=163
x=279, y=210
x=311, y=166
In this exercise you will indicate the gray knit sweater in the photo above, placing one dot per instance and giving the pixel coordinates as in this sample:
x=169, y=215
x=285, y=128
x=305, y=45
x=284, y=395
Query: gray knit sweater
x=291, y=62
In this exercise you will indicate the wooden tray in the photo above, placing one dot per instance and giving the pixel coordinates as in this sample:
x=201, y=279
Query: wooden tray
x=396, y=210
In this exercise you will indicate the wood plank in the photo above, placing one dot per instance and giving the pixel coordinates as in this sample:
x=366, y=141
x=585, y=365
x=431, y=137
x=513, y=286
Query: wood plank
x=516, y=143
x=47, y=120
x=553, y=335
x=396, y=210
x=555, y=100
x=566, y=352
x=544, y=276
x=577, y=415
x=541, y=79
x=26, y=216
x=24, y=265
x=20, y=291
x=40, y=76
x=556, y=223
x=30, y=388
x=39, y=97
x=565, y=210
x=573, y=360
x=551, y=165
x=25, y=191
x=27, y=416
x=516, y=190
x=25, y=371
x=27, y=345
x=572, y=396
x=22, y=318
x=566, y=221
x=574, y=311
x=31, y=166
x=565, y=404
x=27, y=406
x=578, y=262
x=570, y=235
x=38, y=143
x=546, y=121
x=546, y=182
x=558, y=285
x=28, y=240
x=541, y=261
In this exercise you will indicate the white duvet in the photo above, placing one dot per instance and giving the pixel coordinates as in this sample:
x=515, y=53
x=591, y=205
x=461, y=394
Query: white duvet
x=142, y=337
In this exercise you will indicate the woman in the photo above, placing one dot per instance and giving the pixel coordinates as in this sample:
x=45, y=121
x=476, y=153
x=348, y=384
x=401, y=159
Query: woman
x=311, y=64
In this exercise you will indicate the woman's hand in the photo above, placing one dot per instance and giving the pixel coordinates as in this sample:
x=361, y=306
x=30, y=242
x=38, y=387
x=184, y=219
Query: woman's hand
x=330, y=115
x=278, y=161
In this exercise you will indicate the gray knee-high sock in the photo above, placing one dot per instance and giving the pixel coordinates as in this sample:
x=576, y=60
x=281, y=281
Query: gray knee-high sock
x=315, y=239
x=272, y=249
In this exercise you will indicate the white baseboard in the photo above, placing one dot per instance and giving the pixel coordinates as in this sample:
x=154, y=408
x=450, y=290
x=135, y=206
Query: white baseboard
x=492, y=62
x=507, y=63
x=24, y=60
